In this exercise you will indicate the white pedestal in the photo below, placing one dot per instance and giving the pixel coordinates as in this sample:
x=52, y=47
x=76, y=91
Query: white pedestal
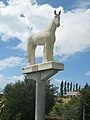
x=40, y=73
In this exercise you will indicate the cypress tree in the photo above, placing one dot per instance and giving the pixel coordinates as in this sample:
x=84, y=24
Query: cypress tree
x=68, y=87
x=71, y=86
x=76, y=86
x=61, y=89
x=65, y=90
x=79, y=88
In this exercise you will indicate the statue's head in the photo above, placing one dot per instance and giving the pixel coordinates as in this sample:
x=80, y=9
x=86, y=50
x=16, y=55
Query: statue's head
x=57, y=18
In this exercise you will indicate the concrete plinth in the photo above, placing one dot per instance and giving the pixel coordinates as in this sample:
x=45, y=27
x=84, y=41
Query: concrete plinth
x=40, y=73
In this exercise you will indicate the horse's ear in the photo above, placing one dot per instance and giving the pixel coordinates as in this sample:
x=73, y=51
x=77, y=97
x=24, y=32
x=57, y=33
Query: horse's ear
x=59, y=12
x=55, y=12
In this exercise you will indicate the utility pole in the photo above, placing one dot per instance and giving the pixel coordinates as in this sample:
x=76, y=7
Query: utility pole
x=83, y=112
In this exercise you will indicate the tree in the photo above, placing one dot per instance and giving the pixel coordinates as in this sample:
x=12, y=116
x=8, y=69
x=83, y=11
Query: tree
x=85, y=102
x=61, y=89
x=65, y=89
x=2, y=102
x=78, y=107
x=57, y=110
x=76, y=86
x=50, y=96
x=68, y=87
x=86, y=85
x=72, y=110
x=71, y=86
x=79, y=88
x=20, y=100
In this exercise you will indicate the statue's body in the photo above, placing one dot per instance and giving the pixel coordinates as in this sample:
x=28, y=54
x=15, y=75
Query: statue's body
x=46, y=38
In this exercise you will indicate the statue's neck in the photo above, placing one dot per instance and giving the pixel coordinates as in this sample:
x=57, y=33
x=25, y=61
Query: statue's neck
x=52, y=27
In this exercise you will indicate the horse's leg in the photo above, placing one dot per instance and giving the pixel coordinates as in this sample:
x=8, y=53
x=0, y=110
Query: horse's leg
x=46, y=52
x=29, y=54
x=51, y=51
x=33, y=54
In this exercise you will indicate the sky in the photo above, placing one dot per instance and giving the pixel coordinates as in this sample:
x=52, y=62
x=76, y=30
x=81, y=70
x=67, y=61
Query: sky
x=18, y=20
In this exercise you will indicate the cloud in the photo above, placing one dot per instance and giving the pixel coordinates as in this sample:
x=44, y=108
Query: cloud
x=12, y=25
x=87, y=73
x=4, y=80
x=10, y=62
x=71, y=37
x=84, y=4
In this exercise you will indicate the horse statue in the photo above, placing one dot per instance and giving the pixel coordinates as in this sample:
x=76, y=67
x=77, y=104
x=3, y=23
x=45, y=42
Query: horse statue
x=46, y=38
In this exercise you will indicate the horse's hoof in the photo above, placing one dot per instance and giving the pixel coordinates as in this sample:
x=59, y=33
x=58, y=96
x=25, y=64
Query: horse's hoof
x=28, y=64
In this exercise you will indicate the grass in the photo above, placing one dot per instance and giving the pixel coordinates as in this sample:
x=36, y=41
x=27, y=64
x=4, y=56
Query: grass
x=62, y=100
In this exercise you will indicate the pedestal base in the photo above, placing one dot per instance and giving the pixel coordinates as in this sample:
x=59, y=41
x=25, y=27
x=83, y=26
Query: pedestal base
x=40, y=73
x=43, y=66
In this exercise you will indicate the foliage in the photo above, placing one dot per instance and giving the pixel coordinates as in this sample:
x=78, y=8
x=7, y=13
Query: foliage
x=50, y=96
x=85, y=101
x=86, y=85
x=2, y=102
x=71, y=86
x=65, y=89
x=72, y=110
x=68, y=87
x=76, y=86
x=61, y=89
x=79, y=88
x=20, y=100
x=57, y=109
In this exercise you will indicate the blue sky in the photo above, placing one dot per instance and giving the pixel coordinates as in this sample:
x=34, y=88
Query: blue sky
x=64, y=3
x=72, y=47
